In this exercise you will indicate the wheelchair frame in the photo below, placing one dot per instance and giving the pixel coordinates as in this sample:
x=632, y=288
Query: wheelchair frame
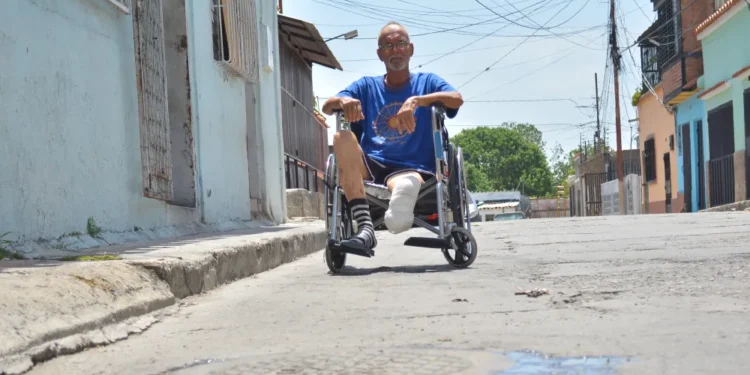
x=453, y=202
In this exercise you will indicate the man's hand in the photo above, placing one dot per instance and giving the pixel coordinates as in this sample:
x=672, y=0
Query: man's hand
x=352, y=109
x=405, y=120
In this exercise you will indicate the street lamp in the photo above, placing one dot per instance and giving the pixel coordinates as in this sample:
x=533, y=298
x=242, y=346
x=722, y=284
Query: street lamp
x=347, y=35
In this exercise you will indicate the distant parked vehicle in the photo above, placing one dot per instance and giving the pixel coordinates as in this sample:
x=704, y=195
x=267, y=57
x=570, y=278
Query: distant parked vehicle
x=510, y=216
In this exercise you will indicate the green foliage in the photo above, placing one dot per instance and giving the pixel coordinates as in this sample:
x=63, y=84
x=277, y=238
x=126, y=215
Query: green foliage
x=561, y=164
x=506, y=158
x=638, y=94
x=5, y=253
x=527, y=131
x=92, y=229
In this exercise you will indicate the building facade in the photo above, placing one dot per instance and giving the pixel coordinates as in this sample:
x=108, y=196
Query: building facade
x=703, y=74
x=672, y=64
x=658, y=162
x=305, y=129
x=153, y=114
x=726, y=99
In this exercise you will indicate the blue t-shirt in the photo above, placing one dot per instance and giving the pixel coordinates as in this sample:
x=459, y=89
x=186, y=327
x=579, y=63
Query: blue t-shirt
x=380, y=104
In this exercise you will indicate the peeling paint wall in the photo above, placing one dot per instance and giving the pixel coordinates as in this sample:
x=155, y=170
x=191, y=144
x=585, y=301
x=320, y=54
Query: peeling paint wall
x=69, y=123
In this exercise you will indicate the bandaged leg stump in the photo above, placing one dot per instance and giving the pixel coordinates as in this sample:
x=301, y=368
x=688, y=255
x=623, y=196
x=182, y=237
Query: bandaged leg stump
x=400, y=215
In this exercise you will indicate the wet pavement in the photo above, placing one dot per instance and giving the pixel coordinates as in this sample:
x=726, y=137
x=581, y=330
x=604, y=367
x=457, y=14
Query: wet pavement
x=659, y=294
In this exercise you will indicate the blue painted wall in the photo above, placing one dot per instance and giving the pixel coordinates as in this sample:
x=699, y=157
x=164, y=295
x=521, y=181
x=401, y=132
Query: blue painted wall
x=689, y=112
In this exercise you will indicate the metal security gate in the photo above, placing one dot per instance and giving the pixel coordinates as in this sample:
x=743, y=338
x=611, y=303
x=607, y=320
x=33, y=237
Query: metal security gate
x=593, y=186
x=150, y=57
x=687, y=167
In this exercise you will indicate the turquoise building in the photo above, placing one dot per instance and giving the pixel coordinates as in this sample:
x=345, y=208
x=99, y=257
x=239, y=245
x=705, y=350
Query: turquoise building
x=690, y=145
x=726, y=101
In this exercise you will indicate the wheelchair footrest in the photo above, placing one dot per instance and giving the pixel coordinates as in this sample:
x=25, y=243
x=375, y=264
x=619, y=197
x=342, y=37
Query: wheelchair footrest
x=350, y=248
x=431, y=242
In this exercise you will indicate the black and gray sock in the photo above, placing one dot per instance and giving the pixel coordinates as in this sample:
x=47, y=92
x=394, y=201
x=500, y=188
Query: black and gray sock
x=365, y=230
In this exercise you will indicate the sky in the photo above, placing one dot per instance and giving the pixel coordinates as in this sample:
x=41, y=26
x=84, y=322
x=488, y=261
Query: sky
x=542, y=76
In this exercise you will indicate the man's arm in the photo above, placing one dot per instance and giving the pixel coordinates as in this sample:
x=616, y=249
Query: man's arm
x=447, y=94
x=451, y=99
x=332, y=104
x=347, y=100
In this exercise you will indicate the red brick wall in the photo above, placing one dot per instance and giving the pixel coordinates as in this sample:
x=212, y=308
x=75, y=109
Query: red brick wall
x=692, y=16
x=672, y=78
x=693, y=68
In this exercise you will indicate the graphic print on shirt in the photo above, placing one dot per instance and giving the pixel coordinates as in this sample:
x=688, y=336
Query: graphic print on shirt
x=385, y=125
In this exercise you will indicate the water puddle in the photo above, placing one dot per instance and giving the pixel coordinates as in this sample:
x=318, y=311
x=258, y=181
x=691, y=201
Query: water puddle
x=528, y=363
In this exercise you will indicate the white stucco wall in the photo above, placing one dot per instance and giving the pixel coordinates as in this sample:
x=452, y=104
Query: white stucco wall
x=69, y=133
x=220, y=114
x=269, y=112
x=69, y=138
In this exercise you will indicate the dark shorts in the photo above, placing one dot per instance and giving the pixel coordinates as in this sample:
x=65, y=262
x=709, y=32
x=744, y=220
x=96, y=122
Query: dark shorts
x=381, y=173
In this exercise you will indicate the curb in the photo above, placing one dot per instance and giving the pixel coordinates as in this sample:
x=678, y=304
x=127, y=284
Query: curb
x=146, y=285
x=731, y=207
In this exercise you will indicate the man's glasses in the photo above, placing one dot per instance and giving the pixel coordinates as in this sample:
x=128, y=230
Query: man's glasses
x=389, y=47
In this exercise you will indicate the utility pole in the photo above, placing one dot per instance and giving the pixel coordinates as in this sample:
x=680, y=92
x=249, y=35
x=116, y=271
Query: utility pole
x=598, y=124
x=616, y=69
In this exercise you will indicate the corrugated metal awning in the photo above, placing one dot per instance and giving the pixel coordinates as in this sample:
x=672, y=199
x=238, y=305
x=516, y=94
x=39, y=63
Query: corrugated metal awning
x=306, y=40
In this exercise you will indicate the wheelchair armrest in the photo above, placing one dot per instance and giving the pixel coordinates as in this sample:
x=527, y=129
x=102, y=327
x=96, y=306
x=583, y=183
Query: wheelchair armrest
x=342, y=124
x=439, y=107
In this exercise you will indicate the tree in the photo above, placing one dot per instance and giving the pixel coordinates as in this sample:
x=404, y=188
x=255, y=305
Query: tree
x=528, y=131
x=504, y=159
x=561, y=164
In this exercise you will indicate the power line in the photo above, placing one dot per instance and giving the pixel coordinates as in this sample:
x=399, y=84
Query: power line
x=666, y=22
x=526, y=75
x=464, y=46
x=593, y=28
x=433, y=30
x=532, y=20
x=388, y=12
x=522, y=42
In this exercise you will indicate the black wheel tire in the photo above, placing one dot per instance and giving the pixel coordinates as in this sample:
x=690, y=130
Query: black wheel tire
x=336, y=261
x=456, y=193
x=460, y=238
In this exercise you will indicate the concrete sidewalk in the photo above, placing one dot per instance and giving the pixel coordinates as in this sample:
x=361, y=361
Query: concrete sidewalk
x=52, y=308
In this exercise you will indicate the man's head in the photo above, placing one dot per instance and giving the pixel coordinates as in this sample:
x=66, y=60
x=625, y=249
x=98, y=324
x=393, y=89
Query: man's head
x=394, y=47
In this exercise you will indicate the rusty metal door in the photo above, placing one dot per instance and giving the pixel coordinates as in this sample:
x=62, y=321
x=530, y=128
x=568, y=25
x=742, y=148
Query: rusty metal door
x=593, y=188
x=150, y=55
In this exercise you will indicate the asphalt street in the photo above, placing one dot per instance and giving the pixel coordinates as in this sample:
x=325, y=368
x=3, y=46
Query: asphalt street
x=657, y=294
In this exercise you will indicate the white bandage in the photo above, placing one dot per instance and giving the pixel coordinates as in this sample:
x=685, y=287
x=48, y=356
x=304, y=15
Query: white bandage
x=400, y=215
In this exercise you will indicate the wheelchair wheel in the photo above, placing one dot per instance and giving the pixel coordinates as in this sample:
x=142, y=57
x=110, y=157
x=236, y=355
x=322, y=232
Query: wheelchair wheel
x=464, y=248
x=334, y=259
x=457, y=189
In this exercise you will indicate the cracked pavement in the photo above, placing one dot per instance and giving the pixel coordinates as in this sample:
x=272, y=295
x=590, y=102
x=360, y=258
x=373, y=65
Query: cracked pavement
x=657, y=294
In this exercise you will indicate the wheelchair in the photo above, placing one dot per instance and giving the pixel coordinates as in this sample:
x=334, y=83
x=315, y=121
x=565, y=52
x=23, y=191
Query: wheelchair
x=444, y=205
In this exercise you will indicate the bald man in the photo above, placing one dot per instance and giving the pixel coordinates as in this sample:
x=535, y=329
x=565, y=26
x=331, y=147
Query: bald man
x=396, y=148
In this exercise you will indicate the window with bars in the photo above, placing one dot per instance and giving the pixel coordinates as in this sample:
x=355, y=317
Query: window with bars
x=235, y=37
x=650, y=64
x=668, y=33
x=150, y=55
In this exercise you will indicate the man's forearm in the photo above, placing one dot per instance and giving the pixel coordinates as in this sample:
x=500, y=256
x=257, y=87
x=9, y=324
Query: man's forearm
x=449, y=99
x=331, y=104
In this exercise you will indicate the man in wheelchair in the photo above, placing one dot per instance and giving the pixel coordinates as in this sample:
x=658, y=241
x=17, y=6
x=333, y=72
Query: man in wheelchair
x=396, y=148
